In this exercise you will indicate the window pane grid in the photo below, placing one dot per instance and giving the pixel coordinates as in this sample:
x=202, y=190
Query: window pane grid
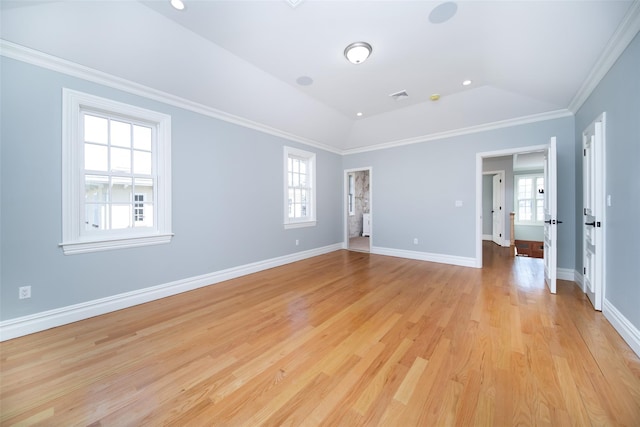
x=299, y=190
x=529, y=198
x=118, y=173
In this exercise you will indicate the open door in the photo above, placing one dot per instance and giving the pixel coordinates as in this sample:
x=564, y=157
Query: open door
x=593, y=199
x=550, y=216
x=497, y=211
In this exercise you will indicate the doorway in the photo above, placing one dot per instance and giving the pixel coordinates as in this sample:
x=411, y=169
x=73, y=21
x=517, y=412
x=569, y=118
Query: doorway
x=508, y=188
x=494, y=211
x=358, y=212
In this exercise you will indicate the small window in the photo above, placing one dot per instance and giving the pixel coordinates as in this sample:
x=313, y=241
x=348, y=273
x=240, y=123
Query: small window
x=116, y=175
x=299, y=171
x=529, y=199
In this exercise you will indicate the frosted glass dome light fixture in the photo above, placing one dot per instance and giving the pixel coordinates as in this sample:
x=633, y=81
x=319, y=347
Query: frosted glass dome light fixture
x=357, y=52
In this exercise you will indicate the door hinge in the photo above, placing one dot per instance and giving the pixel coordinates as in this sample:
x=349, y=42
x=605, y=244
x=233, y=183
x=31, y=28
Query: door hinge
x=584, y=270
x=500, y=207
x=584, y=211
x=584, y=152
x=500, y=234
x=500, y=180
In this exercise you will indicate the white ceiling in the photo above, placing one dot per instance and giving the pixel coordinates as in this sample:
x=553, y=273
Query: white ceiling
x=525, y=58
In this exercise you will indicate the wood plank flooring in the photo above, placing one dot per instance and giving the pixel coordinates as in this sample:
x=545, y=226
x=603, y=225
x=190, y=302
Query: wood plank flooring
x=343, y=339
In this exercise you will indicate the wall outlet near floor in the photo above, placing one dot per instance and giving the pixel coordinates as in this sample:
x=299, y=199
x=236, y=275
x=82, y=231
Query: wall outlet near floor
x=415, y=240
x=297, y=242
x=24, y=292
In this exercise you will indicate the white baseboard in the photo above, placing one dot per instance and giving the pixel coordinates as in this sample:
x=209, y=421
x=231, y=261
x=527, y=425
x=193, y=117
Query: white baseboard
x=579, y=279
x=25, y=325
x=566, y=274
x=425, y=256
x=625, y=328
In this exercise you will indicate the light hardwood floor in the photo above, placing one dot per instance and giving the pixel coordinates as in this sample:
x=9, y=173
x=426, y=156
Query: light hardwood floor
x=346, y=338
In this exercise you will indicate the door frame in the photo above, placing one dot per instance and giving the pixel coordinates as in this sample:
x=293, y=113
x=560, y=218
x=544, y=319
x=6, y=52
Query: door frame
x=345, y=208
x=502, y=173
x=479, y=159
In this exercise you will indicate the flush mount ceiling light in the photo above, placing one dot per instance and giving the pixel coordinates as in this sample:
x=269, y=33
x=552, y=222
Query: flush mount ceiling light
x=357, y=52
x=466, y=83
x=177, y=4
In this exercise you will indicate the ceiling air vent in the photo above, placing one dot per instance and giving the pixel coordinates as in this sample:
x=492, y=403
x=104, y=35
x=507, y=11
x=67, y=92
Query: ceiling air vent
x=399, y=95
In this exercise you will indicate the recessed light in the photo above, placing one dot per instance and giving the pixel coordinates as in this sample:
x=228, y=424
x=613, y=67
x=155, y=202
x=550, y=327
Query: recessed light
x=177, y=4
x=359, y=114
x=466, y=83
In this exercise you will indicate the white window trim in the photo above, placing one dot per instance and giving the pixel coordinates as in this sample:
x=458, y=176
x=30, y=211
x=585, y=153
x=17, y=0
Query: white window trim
x=73, y=242
x=297, y=222
x=517, y=220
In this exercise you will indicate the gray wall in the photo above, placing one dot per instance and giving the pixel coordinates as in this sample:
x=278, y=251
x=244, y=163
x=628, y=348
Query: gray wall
x=227, y=200
x=416, y=187
x=619, y=95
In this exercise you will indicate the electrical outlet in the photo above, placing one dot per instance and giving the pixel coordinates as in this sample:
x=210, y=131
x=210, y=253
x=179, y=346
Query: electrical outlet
x=24, y=292
x=415, y=240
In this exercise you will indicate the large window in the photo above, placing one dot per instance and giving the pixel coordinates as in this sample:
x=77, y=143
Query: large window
x=529, y=199
x=116, y=175
x=299, y=188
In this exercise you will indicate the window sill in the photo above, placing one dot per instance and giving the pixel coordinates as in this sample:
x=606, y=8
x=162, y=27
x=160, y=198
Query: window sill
x=73, y=248
x=300, y=224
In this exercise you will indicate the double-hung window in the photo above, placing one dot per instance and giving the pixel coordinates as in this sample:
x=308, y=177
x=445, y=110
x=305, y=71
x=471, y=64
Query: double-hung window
x=529, y=199
x=116, y=175
x=299, y=193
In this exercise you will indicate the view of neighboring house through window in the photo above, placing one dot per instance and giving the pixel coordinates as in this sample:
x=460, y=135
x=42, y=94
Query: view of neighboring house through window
x=529, y=201
x=299, y=188
x=116, y=174
x=138, y=208
x=118, y=178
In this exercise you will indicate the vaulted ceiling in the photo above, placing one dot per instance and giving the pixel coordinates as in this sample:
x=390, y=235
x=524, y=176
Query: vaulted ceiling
x=279, y=64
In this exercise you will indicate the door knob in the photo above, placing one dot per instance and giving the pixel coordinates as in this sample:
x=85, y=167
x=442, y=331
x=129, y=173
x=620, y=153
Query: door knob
x=593, y=224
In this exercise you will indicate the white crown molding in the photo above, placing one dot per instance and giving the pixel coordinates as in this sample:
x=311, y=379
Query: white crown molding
x=464, y=131
x=14, y=328
x=50, y=62
x=627, y=30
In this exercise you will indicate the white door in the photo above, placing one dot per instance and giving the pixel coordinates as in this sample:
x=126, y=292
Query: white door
x=550, y=215
x=497, y=211
x=593, y=212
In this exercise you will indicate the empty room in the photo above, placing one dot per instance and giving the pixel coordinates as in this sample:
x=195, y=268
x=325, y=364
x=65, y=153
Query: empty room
x=308, y=212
